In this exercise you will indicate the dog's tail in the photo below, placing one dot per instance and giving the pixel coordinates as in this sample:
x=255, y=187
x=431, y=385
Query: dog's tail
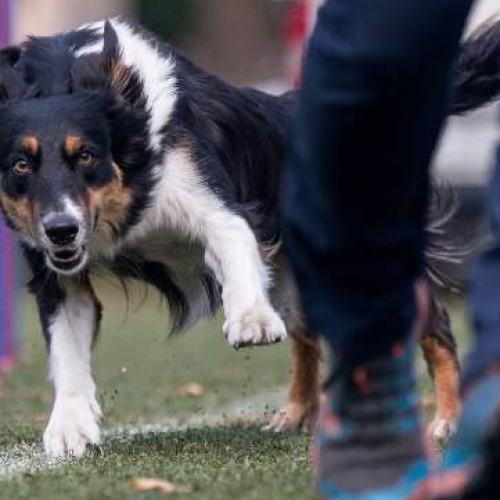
x=476, y=84
x=477, y=72
x=444, y=254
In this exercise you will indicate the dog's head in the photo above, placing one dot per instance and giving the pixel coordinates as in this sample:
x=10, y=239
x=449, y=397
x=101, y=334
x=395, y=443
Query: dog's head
x=66, y=157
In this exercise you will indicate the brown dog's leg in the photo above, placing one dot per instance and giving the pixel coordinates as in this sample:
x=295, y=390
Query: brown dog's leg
x=302, y=404
x=440, y=352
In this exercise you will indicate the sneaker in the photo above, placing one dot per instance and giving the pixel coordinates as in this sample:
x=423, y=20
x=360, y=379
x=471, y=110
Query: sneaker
x=470, y=469
x=370, y=440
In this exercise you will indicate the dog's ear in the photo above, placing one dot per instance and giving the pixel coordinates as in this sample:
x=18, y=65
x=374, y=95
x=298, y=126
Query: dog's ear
x=111, y=48
x=12, y=84
x=107, y=71
x=123, y=78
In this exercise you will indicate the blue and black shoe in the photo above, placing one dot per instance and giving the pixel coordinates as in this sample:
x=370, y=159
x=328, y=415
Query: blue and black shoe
x=471, y=466
x=370, y=445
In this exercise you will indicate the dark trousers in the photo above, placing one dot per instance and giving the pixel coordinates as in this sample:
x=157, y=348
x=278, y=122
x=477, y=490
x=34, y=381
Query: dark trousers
x=484, y=301
x=375, y=93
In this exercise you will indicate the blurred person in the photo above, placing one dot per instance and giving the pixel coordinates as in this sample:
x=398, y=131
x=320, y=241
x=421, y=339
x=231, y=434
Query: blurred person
x=375, y=95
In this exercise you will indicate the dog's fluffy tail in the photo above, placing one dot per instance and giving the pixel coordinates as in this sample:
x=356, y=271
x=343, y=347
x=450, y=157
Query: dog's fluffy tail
x=476, y=84
x=444, y=254
x=477, y=72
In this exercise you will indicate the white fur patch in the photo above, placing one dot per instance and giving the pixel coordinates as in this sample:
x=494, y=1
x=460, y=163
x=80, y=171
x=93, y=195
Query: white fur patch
x=95, y=47
x=74, y=420
x=157, y=72
x=72, y=209
x=183, y=204
x=69, y=209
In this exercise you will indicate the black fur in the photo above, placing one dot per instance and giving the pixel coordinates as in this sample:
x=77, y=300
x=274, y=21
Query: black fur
x=158, y=276
x=477, y=74
x=45, y=287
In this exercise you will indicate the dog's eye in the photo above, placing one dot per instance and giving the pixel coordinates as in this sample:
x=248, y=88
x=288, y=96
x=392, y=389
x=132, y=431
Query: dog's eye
x=86, y=159
x=21, y=166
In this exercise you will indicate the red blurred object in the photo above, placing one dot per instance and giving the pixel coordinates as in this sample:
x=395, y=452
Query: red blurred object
x=295, y=31
x=298, y=24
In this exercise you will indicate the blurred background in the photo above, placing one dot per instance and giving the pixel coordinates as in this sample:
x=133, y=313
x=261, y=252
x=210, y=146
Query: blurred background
x=240, y=40
x=248, y=42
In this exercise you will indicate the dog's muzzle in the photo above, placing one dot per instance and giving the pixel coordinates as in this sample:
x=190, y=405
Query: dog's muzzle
x=65, y=253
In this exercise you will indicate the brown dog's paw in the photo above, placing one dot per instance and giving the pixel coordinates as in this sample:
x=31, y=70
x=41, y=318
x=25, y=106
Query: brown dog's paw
x=293, y=417
x=441, y=432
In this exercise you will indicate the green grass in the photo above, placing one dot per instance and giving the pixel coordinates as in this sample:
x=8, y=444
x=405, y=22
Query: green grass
x=138, y=372
x=234, y=462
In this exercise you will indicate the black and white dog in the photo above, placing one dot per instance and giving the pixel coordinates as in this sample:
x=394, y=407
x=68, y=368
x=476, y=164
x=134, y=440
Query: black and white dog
x=118, y=154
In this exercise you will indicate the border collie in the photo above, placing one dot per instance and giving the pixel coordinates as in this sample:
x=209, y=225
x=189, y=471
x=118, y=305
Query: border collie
x=118, y=154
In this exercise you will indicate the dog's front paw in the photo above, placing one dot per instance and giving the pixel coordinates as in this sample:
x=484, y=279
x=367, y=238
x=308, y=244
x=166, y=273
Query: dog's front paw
x=260, y=325
x=73, y=425
x=442, y=432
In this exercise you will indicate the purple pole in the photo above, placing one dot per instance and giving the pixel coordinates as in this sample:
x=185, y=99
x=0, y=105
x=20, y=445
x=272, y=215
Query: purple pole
x=4, y=22
x=7, y=248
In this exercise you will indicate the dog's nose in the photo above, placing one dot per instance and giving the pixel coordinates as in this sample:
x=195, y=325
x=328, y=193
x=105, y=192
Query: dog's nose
x=61, y=230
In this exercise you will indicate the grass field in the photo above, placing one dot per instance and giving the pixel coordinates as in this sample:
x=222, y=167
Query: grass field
x=211, y=442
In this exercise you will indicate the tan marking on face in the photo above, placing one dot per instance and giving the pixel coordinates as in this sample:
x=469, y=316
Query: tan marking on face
x=111, y=202
x=20, y=213
x=72, y=144
x=30, y=144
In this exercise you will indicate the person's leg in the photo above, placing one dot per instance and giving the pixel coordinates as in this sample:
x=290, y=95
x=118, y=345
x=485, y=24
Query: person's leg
x=484, y=357
x=471, y=464
x=374, y=98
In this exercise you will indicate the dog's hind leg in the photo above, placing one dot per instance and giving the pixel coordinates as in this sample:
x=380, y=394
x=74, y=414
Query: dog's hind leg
x=440, y=352
x=302, y=404
x=301, y=407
